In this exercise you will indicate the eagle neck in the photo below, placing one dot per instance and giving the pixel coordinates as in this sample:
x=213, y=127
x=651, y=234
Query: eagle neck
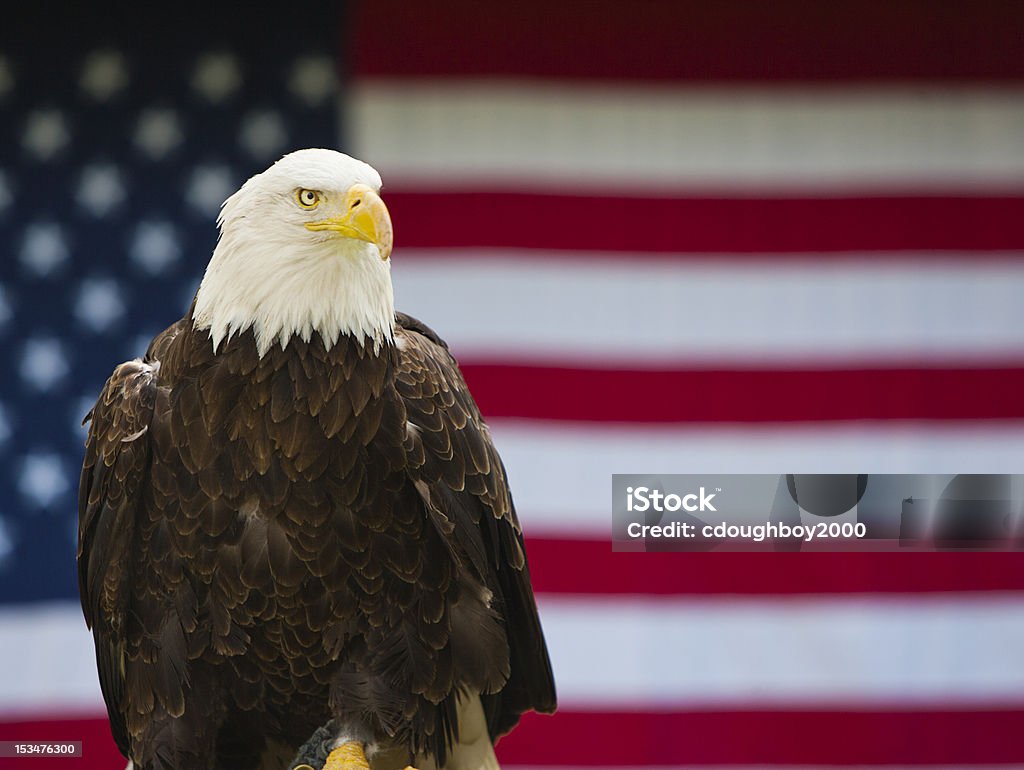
x=333, y=290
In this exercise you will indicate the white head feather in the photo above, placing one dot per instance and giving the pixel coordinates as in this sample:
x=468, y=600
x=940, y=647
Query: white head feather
x=271, y=273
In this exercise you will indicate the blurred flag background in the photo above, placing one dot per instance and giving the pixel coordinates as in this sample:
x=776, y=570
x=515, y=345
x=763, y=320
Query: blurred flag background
x=661, y=237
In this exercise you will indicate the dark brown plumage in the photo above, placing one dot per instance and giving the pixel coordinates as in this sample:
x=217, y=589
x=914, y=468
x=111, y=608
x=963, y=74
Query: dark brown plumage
x=266, y=543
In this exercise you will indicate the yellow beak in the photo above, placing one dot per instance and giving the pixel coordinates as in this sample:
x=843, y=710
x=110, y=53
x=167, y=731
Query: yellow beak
x=366, y=218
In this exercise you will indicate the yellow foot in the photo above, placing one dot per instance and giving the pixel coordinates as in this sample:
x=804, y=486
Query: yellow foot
x=348, y=756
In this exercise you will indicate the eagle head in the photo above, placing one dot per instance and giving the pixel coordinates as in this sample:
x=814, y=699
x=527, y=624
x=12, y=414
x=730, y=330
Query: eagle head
x=304, y=249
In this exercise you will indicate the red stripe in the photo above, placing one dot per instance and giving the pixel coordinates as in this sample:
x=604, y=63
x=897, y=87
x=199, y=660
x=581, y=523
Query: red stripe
x=98, y=749
x=702, y=738
x=745, y=395
x=690, y=39
x=555, y=569
x=809, y=737
x=701, y=225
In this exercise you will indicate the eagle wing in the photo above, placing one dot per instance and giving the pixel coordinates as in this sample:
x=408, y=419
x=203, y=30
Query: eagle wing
x=113, y=490
x=116, y=456
x=452, y=456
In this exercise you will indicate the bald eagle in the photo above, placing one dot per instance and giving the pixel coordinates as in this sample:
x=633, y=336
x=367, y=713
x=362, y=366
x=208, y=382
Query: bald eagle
x=291, y=512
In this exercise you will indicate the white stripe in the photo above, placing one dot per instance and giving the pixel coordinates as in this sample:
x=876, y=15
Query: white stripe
x=455, y=133
x=610, y=653
x=560, y=474
x=614, y=654
x=590, y=307
x=47, y=661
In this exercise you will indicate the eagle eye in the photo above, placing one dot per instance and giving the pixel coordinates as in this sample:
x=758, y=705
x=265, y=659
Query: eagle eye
x=308, y=199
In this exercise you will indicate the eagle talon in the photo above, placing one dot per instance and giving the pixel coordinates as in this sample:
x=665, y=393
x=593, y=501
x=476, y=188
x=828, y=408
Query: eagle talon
x=348, y=756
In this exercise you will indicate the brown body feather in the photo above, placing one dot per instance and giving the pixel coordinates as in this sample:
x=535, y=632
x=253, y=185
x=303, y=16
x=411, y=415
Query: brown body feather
x=267, y=543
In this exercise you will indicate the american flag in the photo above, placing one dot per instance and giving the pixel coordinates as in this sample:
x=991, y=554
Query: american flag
x=661, y=237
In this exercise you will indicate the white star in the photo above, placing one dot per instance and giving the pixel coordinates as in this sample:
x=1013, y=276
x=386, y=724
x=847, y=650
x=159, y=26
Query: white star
x=6, y=196
x=216, y=76
x=43, y=363
x=43, y=479
x=6, y=541
x=262, y=133
x=100, y=189
x=6, y=77
x=104, y=73
x=44, y=248
x=46, y=133
x=313, y=79
x=99, y=303
x=155, y=246
x=158, y=132
x=207, y=188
